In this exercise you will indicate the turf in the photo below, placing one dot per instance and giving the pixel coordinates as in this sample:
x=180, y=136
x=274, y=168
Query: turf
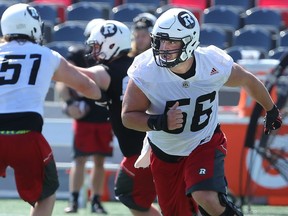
x=16, y=207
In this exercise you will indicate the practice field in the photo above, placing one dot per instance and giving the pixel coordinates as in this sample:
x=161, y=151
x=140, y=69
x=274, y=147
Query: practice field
x=16, y=207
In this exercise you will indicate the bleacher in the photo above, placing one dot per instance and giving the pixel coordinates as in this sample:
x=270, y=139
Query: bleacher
x=270, y=16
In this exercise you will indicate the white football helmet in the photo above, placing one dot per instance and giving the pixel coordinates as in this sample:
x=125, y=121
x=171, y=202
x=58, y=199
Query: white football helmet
x=91, y=24
x=21, y=19
x=112, y=37
x=175, y=24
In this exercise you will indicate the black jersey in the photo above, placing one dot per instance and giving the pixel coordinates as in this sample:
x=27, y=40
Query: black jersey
x=130, y=141
x=96, y=114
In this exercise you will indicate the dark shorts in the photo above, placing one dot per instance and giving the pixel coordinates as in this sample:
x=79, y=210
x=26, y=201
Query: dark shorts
x=34, y=167
x=134, y=187
x=203, y=169
x=92, y=138
x=207, y=165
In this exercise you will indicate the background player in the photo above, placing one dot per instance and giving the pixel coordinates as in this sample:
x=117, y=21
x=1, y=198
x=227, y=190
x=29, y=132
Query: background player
x=111, y=43
x=92, y=137
x=27, y=69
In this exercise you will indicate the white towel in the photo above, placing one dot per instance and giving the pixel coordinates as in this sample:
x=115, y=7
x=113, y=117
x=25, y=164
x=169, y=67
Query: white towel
x=143, y=160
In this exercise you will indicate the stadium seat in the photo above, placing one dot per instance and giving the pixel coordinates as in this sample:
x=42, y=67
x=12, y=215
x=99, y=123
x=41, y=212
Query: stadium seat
x=241, y=5
x=44, y=8
x=196, y=11
x=223, y=16
x=227, y=18
x=213, y=35
x=70, y=31
x=149, y=3
x=48, y=12
x=60, y=46
x=63, y=46
x=3, y=7
x=47, y=32
x=257, y=38
x=85, y=11
x=126, y=12
x=234, y=52
x=283, y=39
x=241, y=52
x=277, y=52
x=264, y=17
x=200, y=4
x=106, y=3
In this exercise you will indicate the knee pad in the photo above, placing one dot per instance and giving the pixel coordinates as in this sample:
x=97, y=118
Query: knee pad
x=230, y=208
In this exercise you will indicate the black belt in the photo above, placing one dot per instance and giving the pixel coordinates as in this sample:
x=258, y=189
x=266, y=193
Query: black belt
x=171, y=158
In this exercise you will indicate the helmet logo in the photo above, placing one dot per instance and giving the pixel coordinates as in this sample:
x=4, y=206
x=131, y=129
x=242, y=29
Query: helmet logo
x=186, y=20
x=108, y=30
x=33, y=12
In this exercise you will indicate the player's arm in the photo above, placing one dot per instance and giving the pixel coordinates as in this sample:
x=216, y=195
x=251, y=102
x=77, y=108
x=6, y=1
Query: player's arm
x=134, y=106
x=99, y=74
x=134, y=116
x=256, y=89
x=253, y=86
x=68, y=74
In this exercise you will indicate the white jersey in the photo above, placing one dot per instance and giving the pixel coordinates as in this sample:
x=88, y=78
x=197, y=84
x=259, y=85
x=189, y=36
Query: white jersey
x=197, y=96
x=26, y=70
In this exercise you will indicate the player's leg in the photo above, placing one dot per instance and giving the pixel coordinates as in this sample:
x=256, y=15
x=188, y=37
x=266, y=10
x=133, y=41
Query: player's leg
x=97, y=184
x=208, y=181
x=135, y=188
x=229, y=208
x=170, y=185
x=76, y=180
x=43, y=207
x=152, y=211
x=209, y=201
x=35, y=172
x=102, y=140
x=82, y=150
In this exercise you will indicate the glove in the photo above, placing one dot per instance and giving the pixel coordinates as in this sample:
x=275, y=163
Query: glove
x=272, y=120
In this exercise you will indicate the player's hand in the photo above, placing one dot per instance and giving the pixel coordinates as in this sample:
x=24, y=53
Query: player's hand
x=272, y=120
x=77, y=109
x=174, y=117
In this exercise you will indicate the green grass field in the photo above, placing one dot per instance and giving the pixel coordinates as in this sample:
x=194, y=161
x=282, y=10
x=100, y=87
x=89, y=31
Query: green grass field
x=16, y=207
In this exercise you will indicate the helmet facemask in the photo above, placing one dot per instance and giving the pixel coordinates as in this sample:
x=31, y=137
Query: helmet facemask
x=96, y=53
x=159, y=54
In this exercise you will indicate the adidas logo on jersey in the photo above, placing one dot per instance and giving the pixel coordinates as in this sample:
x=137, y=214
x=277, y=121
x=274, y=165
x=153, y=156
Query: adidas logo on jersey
x=213, y=71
